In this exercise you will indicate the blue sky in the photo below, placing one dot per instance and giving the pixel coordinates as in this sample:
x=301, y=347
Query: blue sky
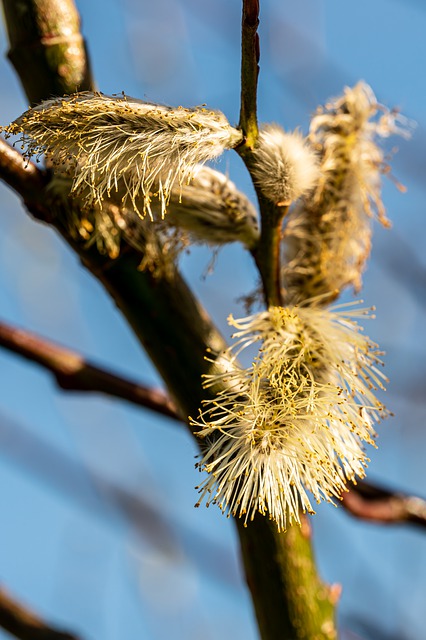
x=76, y=472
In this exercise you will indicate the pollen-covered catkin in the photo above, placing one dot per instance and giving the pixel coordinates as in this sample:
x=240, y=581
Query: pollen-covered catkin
x=328, y=233
x=122, y=145
x=285, y=165
x=296, y=420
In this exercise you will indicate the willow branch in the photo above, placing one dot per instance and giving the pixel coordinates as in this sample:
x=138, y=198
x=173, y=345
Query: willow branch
x=47, y=48
x=267, y=253
x=377, y=504
x=290, y=599
x=23, y=624
x=250, y=54
x=22, y=176
x=74, y=373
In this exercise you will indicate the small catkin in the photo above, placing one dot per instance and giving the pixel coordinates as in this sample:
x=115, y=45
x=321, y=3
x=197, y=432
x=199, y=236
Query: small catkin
x=213, y=211
x=120, y=145
x=286, y=167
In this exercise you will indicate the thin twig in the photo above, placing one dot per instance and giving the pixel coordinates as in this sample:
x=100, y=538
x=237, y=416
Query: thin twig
x=266, y=253
x=249, y=70
x=377, y=504
x=74, y=373
x=23, y=624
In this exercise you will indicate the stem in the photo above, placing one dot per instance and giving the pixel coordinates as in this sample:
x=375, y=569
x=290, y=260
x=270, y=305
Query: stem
x=289, y=598
x=250, y=54
x=382, y=506
x=267, y=253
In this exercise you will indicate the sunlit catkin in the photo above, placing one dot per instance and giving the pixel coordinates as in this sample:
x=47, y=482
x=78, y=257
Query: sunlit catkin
x=285, y=165
x=121, y=145
x=296, y=420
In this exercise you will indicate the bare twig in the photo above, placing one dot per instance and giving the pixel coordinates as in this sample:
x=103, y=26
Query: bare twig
x=23, y=624
x=266, y=253
x=377, y=504
x=74, y=373
x=249, y=70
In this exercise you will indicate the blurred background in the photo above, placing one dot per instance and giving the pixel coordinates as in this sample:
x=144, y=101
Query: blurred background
x=98, y=532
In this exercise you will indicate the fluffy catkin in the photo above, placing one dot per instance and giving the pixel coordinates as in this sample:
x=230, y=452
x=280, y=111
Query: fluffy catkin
x=285, y=166
x=210, y=210
x=328, y=233
x=123, y=145
x=296, y=420
x=213, y=211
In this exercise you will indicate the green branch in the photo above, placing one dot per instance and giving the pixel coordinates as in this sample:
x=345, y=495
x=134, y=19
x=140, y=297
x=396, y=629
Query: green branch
x=290, y=600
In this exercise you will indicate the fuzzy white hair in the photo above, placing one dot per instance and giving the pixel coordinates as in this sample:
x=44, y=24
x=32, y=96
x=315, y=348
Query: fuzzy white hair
x=123, y=145
x=285, y=167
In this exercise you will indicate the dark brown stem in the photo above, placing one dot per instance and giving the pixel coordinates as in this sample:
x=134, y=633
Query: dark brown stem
x=23, y=624
x=383, y=506
x=249, y=70
x=47, y=48
x=24, y=177
x=74, y=373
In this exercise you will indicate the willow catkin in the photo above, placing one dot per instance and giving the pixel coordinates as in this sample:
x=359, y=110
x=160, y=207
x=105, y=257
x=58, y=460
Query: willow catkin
x=122, y=145
x=285, y=165
x=296, y=420
x=328, y=234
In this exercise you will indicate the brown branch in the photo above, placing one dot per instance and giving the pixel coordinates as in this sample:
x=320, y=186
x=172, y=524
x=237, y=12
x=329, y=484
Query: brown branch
x=74, y=373
x=266, y=253
x=250, y=54
x=23, y=176
x=23, y=624
x=47, y=48
x=377, y=504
